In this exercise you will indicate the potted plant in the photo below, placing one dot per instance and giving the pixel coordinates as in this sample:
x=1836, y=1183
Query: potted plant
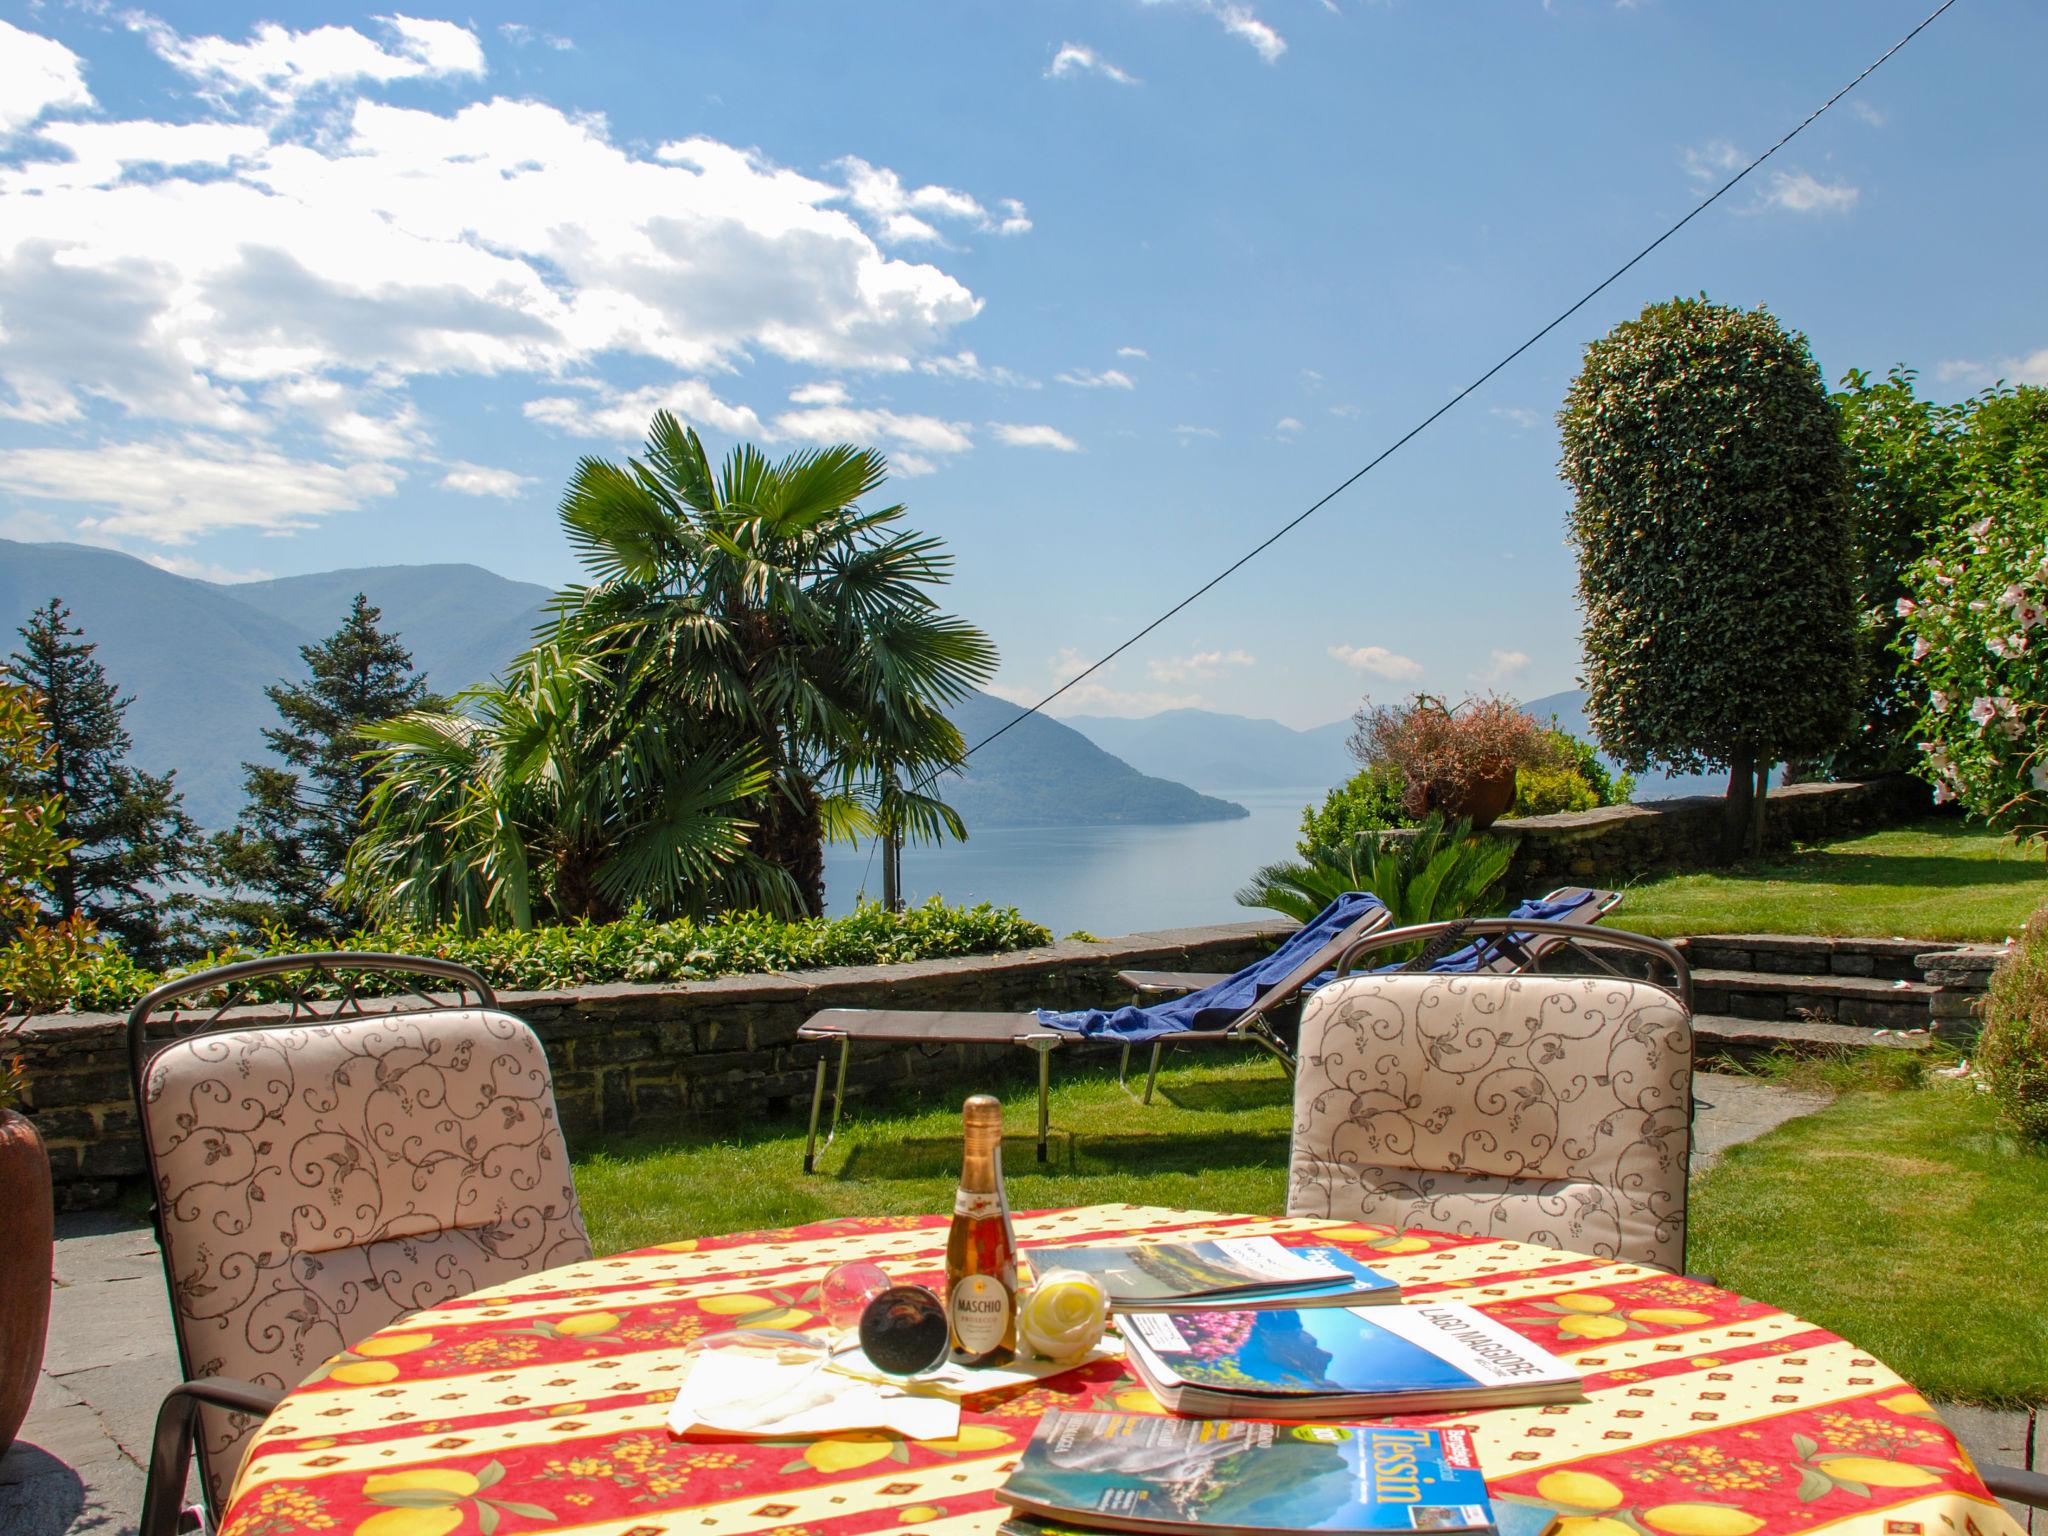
x=1459, y=760
x=37, y=959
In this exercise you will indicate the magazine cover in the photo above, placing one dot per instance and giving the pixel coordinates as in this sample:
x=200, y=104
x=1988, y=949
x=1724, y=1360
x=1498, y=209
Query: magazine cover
x=1426, y=1352
x=1145, y=1473
x=1179, y=1271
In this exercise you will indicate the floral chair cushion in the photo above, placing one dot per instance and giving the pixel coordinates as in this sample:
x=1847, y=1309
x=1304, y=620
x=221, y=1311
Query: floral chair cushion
x=318, y=1183
x=1553, y=1110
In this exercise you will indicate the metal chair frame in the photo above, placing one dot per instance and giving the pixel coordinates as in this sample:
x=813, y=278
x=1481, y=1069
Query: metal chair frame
x=171, y=1451
x=1578, y=939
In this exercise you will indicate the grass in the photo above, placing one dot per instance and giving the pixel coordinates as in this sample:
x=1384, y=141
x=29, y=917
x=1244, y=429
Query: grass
x=1904, y=1221
x=1898, y=1217
x=1935, y=879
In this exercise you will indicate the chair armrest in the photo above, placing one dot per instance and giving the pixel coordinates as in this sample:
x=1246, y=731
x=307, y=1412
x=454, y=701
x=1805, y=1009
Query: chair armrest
x=170, y=1450
x=2029, y=1488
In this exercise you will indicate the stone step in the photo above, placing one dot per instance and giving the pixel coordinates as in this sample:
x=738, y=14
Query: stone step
x=1747, y=1037
x=1805, y=955
x=1868, y=1001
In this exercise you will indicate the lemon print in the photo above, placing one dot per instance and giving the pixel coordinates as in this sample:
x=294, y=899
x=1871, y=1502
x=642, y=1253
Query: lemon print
x=1579, y=1490
x=1402, y=1245
x=1594, y=1525
x=1906, y=1402
x=917, y=1514
x=1875, y=1473
x=1670, y=1317
x=1580, y=1302
x=733, y=1306
x=1701, y=1520
x=364, y=1373
x=582, y=1324
x=393, y=1344
x=317, y=1443
x=688, y=1245
x=1352, y=1234
x=561, y=1408
x=972, y=1437
x=448, y=1480
x=842, y=1453
x=1138, y=1400
x=411, y=1522
x=1593, y=1327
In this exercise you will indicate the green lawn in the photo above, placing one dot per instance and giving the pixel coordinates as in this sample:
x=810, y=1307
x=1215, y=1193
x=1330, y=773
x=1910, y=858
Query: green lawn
x=1899, y=1220
x=1935, y=879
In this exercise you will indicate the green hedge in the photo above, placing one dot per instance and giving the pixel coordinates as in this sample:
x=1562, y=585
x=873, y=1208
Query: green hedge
x=632, y=949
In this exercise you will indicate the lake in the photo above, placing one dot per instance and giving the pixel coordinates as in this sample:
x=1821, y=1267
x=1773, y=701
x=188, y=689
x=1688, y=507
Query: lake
x=1105, y=879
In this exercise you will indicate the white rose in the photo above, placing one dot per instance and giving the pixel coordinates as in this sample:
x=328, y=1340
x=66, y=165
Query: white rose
x=1063, y=1316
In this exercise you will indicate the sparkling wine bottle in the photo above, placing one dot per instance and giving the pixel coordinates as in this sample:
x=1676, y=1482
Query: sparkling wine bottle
x=981, y=1250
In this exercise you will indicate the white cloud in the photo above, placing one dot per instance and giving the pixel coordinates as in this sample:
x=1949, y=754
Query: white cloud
x=1096, y=696
x=1138, y=352
x=909, y=439
x=37, y=73
x=1241, y=22
x=482, y=480
x=1020, y=435
x=171, y=490
x=1188, y=434
x=1520, y=415
x=1378, y=660
x=1714, y=160
x=824, y=392
x=1287, y=426
x=1346, y=411
x=1503, y=667
x=1799, y=192
x=280, y=64
x=902, y=216
x=519, y=35
x=2030, y=369
x=1079, y=58
x=623, y=416
x=1867, y=114
x=207, y=570
x=1108, y=378
x=1199, y=666
x=965, y=365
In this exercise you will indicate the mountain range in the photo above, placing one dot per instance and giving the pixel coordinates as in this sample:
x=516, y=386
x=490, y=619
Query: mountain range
x=197, y=655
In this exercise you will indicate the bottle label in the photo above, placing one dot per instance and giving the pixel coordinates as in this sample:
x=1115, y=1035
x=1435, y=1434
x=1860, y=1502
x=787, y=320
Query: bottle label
x=977, y=1207
x=980, y=1309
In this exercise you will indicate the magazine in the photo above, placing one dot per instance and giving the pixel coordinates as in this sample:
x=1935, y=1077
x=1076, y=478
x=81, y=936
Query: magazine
x=1508, y=1520
x=1339, y=1361
x=1229, y=1272
x=1140, y=1472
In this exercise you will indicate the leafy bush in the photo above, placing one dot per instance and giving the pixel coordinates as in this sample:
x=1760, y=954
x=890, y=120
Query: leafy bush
x=1545, y=789
x=1368, y=801
x=1974, y=624
x=1441, y=751
x=1428, y=874
x=631, y=949
x=2012, y=1053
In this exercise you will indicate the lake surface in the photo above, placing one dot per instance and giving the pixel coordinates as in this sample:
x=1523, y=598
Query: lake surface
x=1106, y=879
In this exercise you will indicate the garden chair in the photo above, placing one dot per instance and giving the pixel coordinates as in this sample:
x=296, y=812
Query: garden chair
x=1234, y=1008
x=324, y=1170
x=1546, y=1108
x=1506, y=952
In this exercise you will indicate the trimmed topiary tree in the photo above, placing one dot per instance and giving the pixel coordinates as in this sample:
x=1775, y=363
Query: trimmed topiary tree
x=1715, y=544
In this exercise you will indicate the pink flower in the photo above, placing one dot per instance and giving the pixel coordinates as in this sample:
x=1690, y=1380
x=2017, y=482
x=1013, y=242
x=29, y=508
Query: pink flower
x=1921, y=648
x=1907, y=607
x=2012, y=596
x=1981, y=529
x=1943, y=794
x=1939, y=700
x=2040, y=776
x=1997, y=645
x=2029, y=613
x=1983, y=711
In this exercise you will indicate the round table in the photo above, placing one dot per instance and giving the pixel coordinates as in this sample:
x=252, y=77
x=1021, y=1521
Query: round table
x=540, y=1405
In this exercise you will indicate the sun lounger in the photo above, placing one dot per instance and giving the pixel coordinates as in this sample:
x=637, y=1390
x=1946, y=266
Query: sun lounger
x=1231, y=1008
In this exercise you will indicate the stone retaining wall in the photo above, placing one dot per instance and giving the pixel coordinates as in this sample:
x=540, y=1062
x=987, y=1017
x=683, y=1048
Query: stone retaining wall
x=1963, y=975
x=629, y=1057
x=1608, y=845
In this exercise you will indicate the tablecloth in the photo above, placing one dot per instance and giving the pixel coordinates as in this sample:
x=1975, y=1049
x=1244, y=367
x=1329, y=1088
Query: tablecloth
x=538, y=1406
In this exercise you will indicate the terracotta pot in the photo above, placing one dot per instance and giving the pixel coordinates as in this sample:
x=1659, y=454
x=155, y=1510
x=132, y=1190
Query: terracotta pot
x=25, y=1263
x=1484, y=800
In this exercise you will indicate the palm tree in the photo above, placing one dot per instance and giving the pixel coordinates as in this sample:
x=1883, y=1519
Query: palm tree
x=538, y=798
x=758, y=599
x=1430, y=873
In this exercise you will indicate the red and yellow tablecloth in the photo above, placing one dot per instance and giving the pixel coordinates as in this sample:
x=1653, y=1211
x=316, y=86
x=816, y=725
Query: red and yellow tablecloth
x=539, y=1406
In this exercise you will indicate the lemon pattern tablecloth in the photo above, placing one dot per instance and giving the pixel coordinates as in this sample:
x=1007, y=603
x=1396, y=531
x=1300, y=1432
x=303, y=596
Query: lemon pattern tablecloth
x=539, y=1405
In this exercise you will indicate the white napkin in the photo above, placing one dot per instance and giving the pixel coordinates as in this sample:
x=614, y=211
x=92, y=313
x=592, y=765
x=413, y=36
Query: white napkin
x=731, y=1395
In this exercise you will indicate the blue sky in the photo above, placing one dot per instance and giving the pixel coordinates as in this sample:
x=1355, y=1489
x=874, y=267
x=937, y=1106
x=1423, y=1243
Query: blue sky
x=1119, y=285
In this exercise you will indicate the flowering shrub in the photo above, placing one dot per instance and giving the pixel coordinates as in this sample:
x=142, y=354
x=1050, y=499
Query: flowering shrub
x=631, y=949
x=1976, y=622
x=1441, y=752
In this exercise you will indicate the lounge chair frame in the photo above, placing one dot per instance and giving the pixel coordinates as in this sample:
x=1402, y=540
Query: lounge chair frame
x=1023, y=1029
x=1573, y=936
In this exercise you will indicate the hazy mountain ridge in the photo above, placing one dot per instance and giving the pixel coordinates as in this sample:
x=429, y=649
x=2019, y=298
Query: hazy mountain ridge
x=197, y=655
x=1214, y=751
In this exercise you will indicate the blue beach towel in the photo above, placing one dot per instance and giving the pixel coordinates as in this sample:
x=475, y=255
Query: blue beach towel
x=1216, y=1005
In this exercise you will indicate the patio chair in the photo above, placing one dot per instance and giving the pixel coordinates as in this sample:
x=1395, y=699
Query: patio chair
x=1233, y=1008
x=1545, y=1108
x=1506, y=952
x=320, y=1175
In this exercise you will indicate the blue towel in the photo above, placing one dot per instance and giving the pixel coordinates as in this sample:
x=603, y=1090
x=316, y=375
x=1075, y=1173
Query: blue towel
x=1215, y=1005
x=1484, y=951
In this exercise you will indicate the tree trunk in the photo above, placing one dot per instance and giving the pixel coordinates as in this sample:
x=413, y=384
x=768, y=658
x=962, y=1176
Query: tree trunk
x=790, y=838
x=1755, y=841
x=1736, y=813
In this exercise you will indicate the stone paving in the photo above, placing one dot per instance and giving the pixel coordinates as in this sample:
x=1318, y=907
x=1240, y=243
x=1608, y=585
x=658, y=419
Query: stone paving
x=77, y=1465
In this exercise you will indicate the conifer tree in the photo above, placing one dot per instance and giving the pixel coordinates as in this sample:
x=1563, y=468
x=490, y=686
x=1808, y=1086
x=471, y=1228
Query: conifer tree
x=285, y=852
x=135, y=841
